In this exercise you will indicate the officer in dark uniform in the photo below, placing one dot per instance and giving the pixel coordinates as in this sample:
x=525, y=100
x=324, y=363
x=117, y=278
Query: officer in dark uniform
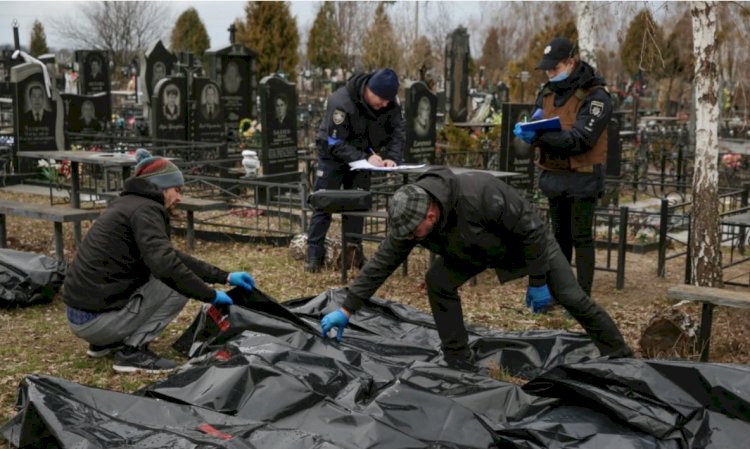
x=363, y=121
x=572, y=159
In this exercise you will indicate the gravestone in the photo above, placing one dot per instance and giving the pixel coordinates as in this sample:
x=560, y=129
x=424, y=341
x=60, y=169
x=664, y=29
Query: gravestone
x=156, y=64
x=420, y=110
x=278, y=105
x=93, y=75
x=6, y=63
x=169, y=109
x=207, y=123
x=516, y=155
x=38, y=117
x=85, y=113
x=457, y=75
x=233, y=68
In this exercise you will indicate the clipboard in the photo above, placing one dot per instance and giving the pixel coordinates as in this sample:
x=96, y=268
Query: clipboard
x=549, y=124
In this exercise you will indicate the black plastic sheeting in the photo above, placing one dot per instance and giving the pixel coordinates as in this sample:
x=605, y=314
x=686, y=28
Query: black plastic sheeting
x=263, y=378
x=28, y=278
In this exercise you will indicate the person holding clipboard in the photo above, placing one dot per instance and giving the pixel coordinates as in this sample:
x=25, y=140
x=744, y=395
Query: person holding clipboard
x=571, y=157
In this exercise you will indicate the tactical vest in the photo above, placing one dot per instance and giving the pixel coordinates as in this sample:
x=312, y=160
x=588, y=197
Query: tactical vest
x=568, y=112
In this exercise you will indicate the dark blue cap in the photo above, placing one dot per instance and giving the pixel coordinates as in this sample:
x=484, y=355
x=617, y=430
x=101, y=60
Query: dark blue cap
x=384, y=84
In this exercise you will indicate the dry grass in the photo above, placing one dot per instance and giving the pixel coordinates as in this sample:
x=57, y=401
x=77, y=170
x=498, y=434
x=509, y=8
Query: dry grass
x=37, y=339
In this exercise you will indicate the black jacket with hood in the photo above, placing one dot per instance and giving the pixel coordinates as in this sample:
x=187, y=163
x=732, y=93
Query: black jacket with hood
x=483, y=223
x=350, y=127
x=126, y=245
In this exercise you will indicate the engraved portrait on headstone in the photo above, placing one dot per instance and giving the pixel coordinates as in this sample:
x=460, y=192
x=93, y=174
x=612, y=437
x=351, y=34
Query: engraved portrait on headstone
x=169, y=118
x=207, y=122
x=423, y=118
x=159, y=73
x=232, y=78
x=282, y=119
x=84, y=113
x=89, y=122
x=209, y=101
x=95, y=71
x=171, y=102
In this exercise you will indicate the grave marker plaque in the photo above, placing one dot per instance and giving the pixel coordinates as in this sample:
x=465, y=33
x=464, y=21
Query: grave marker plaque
x=94, y=75
x=278, y=104
x=169, y=109
x=421, y=117
x=38, y=118
x=457, y=75
x=207, y=118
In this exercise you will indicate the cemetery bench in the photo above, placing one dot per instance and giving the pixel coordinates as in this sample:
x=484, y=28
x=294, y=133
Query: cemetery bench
x=55, y=214
x=710, y=297
x=191, y=206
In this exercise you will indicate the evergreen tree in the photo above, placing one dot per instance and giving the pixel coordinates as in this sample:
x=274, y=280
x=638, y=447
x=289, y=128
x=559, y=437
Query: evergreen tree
x=643, y=45
x=379, y=46
x=189, y=34
x=560, y=23
x=323, y=47
x=38, y=44
x=271, y=31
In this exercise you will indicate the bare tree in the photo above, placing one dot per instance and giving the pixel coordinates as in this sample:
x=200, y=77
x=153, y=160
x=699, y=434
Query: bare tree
x=123, y=28
x=585, y=23
x=704, y=233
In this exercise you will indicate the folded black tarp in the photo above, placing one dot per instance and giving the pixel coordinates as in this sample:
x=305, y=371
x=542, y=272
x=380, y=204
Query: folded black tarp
x=263, y=378
x=28, y=278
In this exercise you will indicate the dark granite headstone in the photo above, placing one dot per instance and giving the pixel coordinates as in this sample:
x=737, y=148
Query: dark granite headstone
x=233, y=68
x=169, y=109
x=38, y=118
x=420, y=110
x=457, y=75
x=278, y=104
x=6, y=63
x=207, y=118
x=85, y=113
x=516, y=155
x=156, y=64
x=94, y=75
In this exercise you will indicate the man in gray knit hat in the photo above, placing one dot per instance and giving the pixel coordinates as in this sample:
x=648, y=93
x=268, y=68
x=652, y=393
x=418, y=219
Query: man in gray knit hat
x=473, y=222
x=127, y=282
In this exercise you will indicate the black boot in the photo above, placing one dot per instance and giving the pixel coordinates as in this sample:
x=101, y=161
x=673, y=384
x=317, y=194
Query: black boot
x=313, y=265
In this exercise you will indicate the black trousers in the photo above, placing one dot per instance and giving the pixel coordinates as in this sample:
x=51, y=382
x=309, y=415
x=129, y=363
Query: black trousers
x=444, y=278
x=572, y=221
x=333, y=176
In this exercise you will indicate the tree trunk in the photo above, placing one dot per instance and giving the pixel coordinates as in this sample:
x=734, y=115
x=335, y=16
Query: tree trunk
x=704, y=233
x=585, y=25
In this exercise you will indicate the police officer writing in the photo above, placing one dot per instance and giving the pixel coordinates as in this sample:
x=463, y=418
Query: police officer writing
x=474, y=221
x=363, y=120
x=572, y=159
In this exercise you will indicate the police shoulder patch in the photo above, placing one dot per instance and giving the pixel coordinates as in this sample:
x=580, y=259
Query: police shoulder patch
x=596, y=108
x=339, y=116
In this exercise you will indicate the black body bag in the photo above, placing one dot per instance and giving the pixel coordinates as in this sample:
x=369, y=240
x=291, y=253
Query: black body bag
x=340, y=200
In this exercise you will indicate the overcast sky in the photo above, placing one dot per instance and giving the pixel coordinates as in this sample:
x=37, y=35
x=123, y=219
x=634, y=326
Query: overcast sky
x=216, y=15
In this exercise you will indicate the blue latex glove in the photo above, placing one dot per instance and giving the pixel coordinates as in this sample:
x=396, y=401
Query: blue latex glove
x=538, y=114
x=222, y=299
x=526, y=136
x=336, y=319
x=242, y=279
x=539, y=298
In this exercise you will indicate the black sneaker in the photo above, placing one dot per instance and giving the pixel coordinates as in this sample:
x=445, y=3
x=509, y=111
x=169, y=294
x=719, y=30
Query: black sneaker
x=133, y=360
x=99, y=351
